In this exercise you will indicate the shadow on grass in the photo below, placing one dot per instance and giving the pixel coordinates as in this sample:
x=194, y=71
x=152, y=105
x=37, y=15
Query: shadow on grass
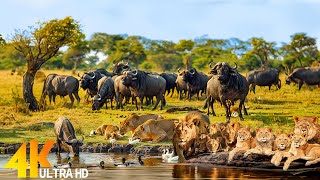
x=12, y=133
x=272, y=119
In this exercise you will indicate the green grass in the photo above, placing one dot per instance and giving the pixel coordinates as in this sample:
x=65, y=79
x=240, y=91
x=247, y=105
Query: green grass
x=273, y=109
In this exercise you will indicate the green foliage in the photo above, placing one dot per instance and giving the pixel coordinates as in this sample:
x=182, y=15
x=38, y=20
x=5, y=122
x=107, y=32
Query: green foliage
x=41, y=43
x=10, y=58
x=75, y=55
x=263, y=50
x=2, y=41
x=184, y=45
x=301, y=48
x=146, y=65
x=166, y=62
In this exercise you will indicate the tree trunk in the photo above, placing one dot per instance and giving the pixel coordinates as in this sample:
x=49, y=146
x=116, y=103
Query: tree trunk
x=28, y=80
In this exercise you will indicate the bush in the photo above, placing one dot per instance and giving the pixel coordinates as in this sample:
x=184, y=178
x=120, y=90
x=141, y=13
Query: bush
x=40, y=76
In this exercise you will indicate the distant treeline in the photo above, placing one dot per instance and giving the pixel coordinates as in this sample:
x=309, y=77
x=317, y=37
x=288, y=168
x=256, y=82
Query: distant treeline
x=162, y=55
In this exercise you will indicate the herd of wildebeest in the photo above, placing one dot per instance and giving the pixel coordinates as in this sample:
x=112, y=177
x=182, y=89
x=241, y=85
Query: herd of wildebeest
x=192, y=134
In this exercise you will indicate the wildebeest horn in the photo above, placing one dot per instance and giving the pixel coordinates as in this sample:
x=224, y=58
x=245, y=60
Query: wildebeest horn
x=236, y=66
x=92, y=77
x=192, y=71
x=96, y=97
x=179, y=69
x=134, y=72
x=72, y=141
x=210, y=65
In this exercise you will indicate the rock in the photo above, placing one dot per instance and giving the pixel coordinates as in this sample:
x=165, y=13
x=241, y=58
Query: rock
x=116, y=149
x=10, y=150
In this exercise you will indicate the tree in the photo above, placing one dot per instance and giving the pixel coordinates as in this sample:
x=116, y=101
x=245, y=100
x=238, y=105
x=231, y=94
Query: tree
x=262, y=49
x=39, y=44
x=76, y=54
x=166, y=62
x=10, y=58
x=184, y=47
x=130, y=49
x=104, y=43
x=2, y=41
x=302, y=48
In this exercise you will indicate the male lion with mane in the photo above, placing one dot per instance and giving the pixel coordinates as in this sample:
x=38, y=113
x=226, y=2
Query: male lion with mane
x=308, y=126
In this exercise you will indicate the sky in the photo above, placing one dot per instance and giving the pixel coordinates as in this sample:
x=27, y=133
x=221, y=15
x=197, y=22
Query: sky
x=273, y=20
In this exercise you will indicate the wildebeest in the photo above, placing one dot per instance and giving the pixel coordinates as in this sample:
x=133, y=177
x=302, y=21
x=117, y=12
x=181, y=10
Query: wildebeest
x=143, y=85
x=308, y=75
x=196, y=81
x=89, y=81
x=104, y=72
x=61, y=85
x=120, y=92
x=64, y=131
x=120, y=67
x=182, y=87
x=170, y=81
x=226, y=87
x=105, y=92
x=263, y=78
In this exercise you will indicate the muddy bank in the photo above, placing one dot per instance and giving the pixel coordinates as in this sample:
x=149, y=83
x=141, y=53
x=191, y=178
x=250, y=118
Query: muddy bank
x=95, y=148
x=252, y=161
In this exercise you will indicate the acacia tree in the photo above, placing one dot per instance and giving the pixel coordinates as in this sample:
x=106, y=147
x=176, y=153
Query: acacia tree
x=262, y=49
x=184, y=47
x=76, y=54
x=39, y=44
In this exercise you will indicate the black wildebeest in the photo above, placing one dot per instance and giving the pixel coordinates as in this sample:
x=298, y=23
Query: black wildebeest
x=182, y=87
x=143, y=85
x=196, y=82
x=89, y=81
x=308, y=75
x=226, y=87
x=170, y=81
x=105, y=92
x=267, y=77
x=64, y=131
x=61, y=85
x=121, y=91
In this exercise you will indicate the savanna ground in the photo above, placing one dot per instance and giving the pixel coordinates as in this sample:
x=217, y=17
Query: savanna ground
x=274, y=108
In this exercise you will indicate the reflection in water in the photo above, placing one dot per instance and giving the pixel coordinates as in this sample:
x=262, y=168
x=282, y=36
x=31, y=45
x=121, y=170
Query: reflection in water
x=153, y=169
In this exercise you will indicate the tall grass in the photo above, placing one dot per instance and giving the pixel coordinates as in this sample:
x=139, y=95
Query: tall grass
x=273, y=108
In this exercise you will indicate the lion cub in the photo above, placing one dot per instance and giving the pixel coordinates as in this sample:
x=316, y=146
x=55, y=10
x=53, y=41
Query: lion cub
x=245, y=142
x=264, y=142
x=300, y=149
x=308, y=126
x=281, y=145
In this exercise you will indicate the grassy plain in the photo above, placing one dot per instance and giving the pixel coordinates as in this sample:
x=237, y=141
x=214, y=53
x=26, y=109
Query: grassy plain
x=273, y=108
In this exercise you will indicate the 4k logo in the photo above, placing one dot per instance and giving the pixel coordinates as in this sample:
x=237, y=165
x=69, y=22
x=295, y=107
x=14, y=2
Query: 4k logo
x=19, y=159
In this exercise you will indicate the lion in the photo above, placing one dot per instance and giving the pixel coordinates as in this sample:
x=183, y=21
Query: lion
x=264, y=142
x=214, y=145
x=135, y=120
x=245, y=141
x=100, y=130
x=229, y=134
x=184, y=138
x=301, y=149
x=111, y=131
x=202, y=123
x=308, y=126
x=281, y=145
x=155, y=130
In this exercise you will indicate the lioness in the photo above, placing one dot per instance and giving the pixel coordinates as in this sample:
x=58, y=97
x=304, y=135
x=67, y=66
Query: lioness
x=111, y=131
x=155, y=130
x=308, y=126
x=281, y=145
x=100, y=130
x=184, y=137
x=245, y=142
x=264, y=142
x=214, y=145
x=300, y=149
x=134, y=120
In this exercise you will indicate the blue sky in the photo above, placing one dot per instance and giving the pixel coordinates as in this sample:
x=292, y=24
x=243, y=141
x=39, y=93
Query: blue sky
x=274, y=20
